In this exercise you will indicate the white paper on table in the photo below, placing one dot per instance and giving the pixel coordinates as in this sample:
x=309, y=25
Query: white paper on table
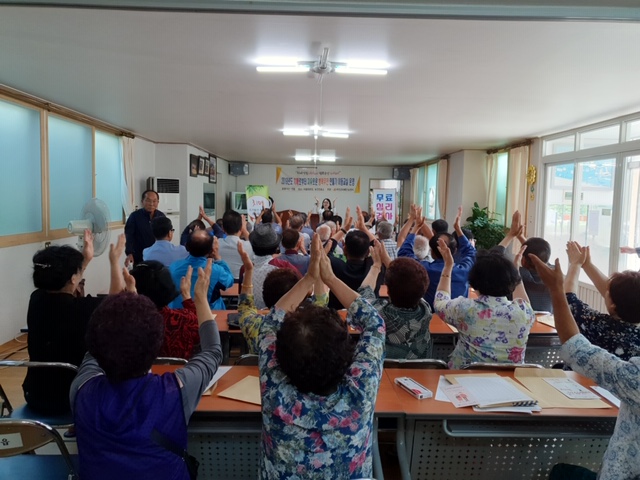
x=440, y=396
x=459, y=396
x=218, y=375
x=529, y=410
x=607, y=394
x=571, y=389
x=493, y=391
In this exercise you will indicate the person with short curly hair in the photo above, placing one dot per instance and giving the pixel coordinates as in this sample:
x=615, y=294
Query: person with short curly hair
x=617, y=330
x=318, y=390
x=57, y=321
x=491, y=328
x=124, y=415
x=406, y=315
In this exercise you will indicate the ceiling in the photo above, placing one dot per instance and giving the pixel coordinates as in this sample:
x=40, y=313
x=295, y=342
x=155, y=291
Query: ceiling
x=453, y=83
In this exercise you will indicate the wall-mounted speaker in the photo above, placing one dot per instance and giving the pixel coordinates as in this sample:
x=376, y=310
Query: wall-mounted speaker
x=238, y=168
x=401, y=173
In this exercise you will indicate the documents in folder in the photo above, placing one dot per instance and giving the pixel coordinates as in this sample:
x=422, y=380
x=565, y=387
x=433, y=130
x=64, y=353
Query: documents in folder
x=246, y=390
x=494, y=391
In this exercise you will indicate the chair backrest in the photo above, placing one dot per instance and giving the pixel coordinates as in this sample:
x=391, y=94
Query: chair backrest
x=415, y=363
x=499, y=366
x=22, y=436
x=20, y=363
x=247, y=359
x=169, y=361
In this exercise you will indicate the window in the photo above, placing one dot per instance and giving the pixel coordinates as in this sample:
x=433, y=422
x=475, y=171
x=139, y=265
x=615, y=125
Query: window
x=560, y=145
x=76, y=163
x=426, y=195
x=500, y=212
x=20, y=187
x=593, y=197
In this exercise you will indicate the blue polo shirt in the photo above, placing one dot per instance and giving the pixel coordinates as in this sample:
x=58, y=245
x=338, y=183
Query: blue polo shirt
x=165, y=252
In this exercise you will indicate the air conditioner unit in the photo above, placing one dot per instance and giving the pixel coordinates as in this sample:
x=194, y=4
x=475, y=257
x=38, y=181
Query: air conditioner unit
x=169, y=191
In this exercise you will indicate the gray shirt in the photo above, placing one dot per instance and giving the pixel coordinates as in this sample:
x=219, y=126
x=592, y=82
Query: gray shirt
x=228, y=250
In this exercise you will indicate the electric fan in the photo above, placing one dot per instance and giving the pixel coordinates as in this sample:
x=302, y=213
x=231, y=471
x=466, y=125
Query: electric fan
x=95, y=214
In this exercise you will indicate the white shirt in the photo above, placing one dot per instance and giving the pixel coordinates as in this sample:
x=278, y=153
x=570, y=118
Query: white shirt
x=228, y=249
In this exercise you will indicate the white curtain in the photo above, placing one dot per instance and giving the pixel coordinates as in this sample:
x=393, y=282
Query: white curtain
x=414, y=192
x=128, y=187
x=491, y=181
x=443, y=166
x=517, y=189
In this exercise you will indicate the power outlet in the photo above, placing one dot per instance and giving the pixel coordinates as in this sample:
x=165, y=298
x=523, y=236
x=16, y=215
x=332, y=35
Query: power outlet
x=47, y=244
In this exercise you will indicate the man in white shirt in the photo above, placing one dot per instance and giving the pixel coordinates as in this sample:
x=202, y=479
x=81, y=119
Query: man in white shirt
x=163, y=250
x=235, y=226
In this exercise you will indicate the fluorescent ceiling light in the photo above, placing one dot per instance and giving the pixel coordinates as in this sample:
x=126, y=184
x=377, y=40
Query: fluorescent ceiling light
x=315, y=130
x=335, y=134
x=303, y=158
x=360, y=71
x=305, y=155
x=282, y=69
x=278, y=61
x=379, y=64
x=326, y=159
x=296, y=132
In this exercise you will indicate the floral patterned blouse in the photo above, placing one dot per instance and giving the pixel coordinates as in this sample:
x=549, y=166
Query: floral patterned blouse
x=309, y=436
x=251, y=318
x=614, y=335
x=622, y=459
x=491, y=329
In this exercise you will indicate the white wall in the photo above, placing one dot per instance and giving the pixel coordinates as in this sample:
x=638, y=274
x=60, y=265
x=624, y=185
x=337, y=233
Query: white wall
x=260, y=174
x=466, y=183
x=144, y=158
x=223, y=187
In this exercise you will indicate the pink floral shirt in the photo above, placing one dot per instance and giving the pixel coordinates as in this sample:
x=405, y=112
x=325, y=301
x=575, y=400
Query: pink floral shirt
x=491, y=329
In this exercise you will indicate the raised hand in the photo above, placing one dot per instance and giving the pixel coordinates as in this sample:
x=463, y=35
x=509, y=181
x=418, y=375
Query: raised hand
x=87, y=250
x=517, y=260
x=246, y=261
x=627, y=250
x=516, y=224
x=185, y=284
x=576, y=254
x=117, y=249
x=443, y=248
x=553, y=278
x=456, y=223
x=202, y=284
x=317, y=253
x=129, y=281
x=376, y=253
x=215, y=251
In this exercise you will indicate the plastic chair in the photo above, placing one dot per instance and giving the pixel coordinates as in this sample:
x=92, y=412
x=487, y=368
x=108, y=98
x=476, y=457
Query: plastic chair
x=169, y=361
x=498, y=366
x=247, y=359
x=415, y=363
x=64, y=420
x=23, y=436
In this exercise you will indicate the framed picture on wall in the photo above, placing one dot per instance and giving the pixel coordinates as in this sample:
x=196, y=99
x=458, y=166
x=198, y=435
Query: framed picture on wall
x=194, y=161
x=213, y=169
x=206, y=167
x=201, y=166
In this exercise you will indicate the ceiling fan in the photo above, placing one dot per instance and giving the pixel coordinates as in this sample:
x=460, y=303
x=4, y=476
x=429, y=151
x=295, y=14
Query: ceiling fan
x=322, y=66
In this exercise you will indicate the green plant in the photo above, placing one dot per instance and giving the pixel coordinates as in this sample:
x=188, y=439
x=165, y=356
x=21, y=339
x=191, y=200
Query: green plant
x=486, y=229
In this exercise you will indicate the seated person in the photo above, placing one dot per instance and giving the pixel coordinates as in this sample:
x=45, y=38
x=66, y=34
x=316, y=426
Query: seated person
x=293, y=243
x=201, y=246
x=124, y=415
x=265, y=242
x=235, y=226
x=181, y=337
x=439, y=226
x=276, y=284
x=270, y=217
x=536, y=290
x=330, y=244
x=297, y=222
x=318, y=388
x=618, y=331
x=461, y=269
x=384, y=232
x=57, y=321
x=197, y=224
x=620, y=377
x=163, y=250
x=406, y=315
x=355, y=269
x=491, y=328
x=421, y=249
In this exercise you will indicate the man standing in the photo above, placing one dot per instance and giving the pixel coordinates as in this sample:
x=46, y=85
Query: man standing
x=138, y=227
x=163, y=250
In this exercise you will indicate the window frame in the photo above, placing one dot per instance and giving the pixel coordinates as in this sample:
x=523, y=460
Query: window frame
x=47, y=233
